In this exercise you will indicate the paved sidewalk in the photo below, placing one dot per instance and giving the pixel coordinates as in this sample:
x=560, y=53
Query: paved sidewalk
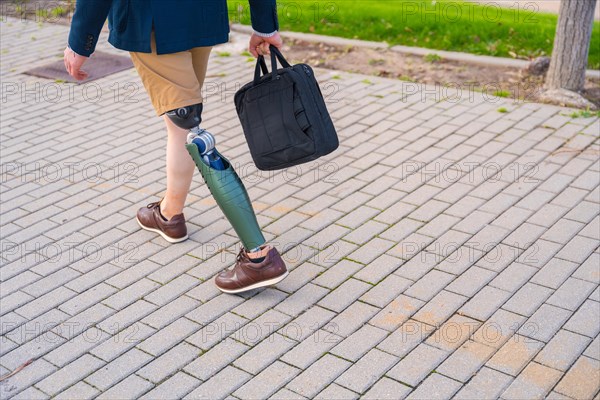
x=449, y=248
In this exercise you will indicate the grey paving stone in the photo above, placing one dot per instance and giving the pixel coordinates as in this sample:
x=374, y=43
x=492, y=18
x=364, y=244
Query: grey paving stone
x=253, y=332
x=564, y=348
x=413, y=368
x=535, y=381
x=217, y=358
x=385, y=291
x=130, y=294
x=14, y=354
x=87, y=298
x=220, y=385
x=440, y=308
x=471, y=281
x=436, y=386
x=359, y=343
x=307, y=323
x=168, y=363
x=544, y=323
x=554, y=273
x=31, y=393
x=130, y=388
x=593, y=350
x=562, y=231
x=485, y=303
x=265, y=353
x=539, y=253
x=396, y=313
x=499, y=257
x=335, y=391
x=41, y=304
x=76, y=346
x=214, y=308
x=571, y=294
x=267, y=382
x=311, y=349
x=498, y=329
x=300, y=276
x=487, y=384
x=429, y=285
x=367, y=371
x=586, y=321
x=387, y=388
x=583, y=212
x=38, y=326
x=173, y=388
x=169, y=336
x=465, y=361
x=371, y=250
x=515, y=355
x=316, y=377
x=590, y=269
x=418, y=266
x=528, y=299
x=172, y=290
x=216, y=331
x=302, y=299
x=170, y=312
x=378, y=269
x=134, y=273
x=80, y=390
x=69, y=374
x=286, y=394
x=111, y=373
x=344, y=295
x=19, y=383
x=259, y=303
x=352, y=318
x=126, y=316
x=513, y=277
x=453, y=333
x=122, y=341
x=578, y=249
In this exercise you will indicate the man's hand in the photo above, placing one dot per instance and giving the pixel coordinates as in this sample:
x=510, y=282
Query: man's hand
x=73, y=63
x=260, y=45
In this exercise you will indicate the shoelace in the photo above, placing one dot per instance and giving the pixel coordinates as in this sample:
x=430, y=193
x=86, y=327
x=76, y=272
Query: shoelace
x=241, y=255
x=152, y=205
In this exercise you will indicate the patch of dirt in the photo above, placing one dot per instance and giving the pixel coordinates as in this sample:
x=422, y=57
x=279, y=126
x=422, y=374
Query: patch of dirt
x=454, y=75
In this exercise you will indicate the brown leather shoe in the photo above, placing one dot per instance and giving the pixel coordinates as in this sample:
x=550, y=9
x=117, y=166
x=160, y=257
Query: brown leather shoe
x=150, y=219
x=247, y=275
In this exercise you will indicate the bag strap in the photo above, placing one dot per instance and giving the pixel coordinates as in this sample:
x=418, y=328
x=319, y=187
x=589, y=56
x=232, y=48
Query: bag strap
x=262, y=65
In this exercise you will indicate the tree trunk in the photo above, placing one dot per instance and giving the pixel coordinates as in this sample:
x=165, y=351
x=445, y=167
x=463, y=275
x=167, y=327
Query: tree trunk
x=571, y=45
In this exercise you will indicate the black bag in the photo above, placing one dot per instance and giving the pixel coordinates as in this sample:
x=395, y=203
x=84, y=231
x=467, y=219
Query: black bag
x=284, y=116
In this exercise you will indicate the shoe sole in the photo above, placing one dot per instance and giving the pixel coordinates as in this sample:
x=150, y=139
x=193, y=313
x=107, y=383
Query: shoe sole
x=269, y=282
x=161, y=233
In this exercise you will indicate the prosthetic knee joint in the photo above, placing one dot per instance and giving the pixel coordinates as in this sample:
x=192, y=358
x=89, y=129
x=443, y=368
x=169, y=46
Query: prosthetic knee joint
x=220, y=177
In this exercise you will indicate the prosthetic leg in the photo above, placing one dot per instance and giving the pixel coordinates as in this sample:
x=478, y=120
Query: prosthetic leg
x=222, y=181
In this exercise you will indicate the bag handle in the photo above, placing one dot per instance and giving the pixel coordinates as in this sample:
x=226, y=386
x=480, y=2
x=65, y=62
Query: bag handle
x=262, y=65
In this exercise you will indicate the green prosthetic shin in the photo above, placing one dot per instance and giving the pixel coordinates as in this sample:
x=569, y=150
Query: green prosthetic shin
x=231, y=196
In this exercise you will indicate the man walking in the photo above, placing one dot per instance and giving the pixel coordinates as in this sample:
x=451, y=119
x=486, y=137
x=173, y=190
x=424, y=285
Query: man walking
x=169, y=42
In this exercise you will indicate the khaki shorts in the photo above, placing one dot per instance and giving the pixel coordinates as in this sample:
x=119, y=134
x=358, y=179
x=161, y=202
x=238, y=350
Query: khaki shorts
x=172, y=80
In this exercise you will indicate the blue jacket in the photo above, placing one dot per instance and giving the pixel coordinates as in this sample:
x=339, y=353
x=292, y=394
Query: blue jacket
x=178, y=24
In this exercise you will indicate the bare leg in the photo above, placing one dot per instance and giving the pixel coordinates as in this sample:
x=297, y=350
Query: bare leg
x=180, y=170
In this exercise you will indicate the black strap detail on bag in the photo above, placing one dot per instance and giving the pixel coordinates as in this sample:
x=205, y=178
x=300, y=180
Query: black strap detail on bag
x=262, y=65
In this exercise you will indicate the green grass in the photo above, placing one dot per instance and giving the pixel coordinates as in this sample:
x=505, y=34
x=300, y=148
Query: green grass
x=441, y=25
